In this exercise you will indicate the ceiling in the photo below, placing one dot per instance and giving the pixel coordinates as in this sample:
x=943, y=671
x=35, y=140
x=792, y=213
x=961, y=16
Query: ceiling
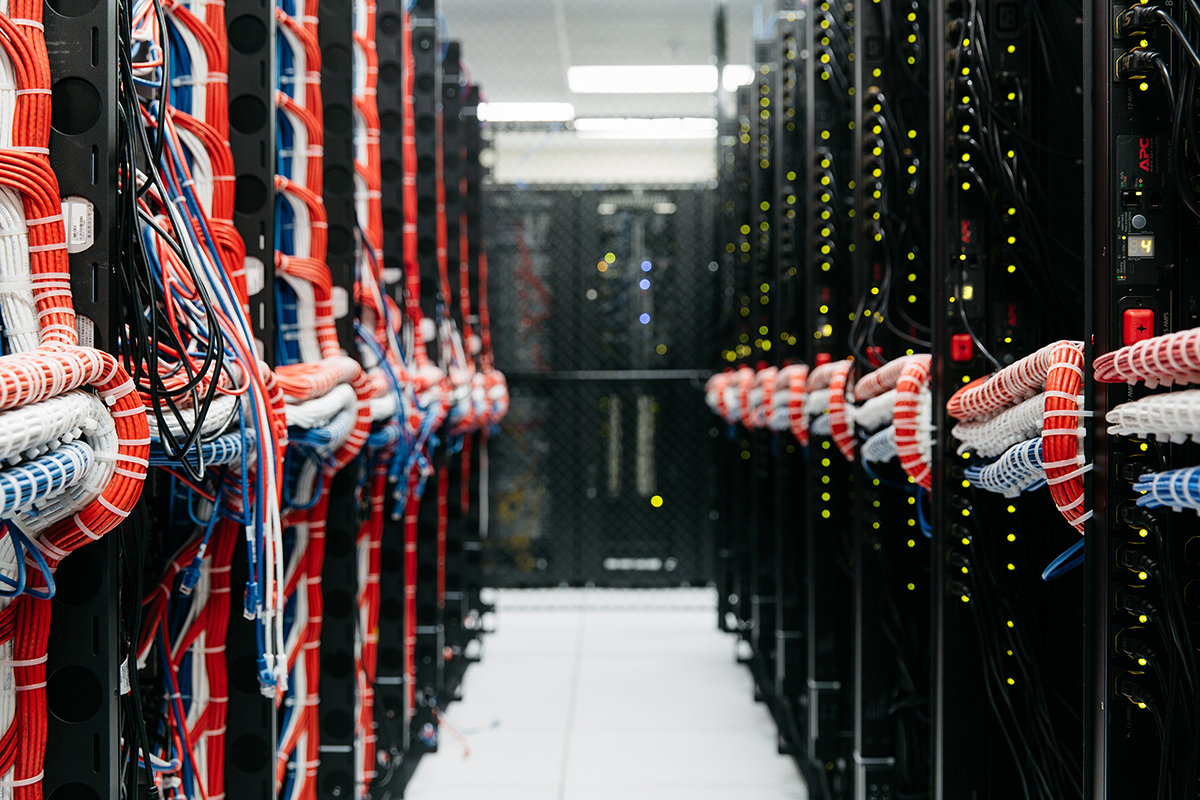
x=519, y=50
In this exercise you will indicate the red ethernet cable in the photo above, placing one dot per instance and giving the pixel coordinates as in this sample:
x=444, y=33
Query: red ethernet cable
x=912, y=381
x=840, y=384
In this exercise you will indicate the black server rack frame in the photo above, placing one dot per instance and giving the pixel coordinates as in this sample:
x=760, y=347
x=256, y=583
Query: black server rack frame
x=788, y=305
x=251, y=723
x=82, y=50
x=430, y=657
x=891, y=556
x=1141, y=243
x=828, y=549
x=997, y=658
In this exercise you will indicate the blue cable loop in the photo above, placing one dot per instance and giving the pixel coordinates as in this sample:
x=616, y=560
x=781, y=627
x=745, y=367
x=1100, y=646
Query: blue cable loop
x=1064, y=563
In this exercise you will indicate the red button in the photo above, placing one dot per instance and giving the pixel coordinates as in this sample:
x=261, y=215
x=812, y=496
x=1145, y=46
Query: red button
x=1138, y=324
x=962, y=348
x=823, y=358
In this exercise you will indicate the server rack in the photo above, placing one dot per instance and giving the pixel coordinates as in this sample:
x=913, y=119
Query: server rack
x=1142, y=284
x=997, y=658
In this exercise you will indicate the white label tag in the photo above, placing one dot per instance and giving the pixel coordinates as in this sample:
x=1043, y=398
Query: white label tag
x=392, y=275
x=86, y=330
x=79, y=217
x=256, y=277
x=341, y=302
x=126, y=684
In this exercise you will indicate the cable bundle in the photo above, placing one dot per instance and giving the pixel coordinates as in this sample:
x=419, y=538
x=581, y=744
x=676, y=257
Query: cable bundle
x=913, y=419
x=1174, y=416
x=1176, y=489
x=1019, y=469
x=760, y=396
x=881, y=446
x=992, y=436
x=876, y=412
x=841, y=418
x=1161, y=360
x=1057, y=371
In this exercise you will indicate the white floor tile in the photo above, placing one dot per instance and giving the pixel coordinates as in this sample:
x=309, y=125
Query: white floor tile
x=629, y=695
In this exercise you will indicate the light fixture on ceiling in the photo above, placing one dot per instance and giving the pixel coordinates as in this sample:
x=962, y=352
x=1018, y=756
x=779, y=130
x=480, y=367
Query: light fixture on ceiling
x=526, y=112
x=735, y=75
x=657, y=79
x=646, y=128
x=660, y=79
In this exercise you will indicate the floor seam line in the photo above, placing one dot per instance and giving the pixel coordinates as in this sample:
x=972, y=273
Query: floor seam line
x=571, y=704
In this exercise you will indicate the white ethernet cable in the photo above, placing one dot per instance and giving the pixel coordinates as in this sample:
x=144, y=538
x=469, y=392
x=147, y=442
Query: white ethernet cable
x=993, y=436
x=320, y=411
x=201, y=166
x=16, y=283
x=1174, y=416
x=875, y=412
x=880, y=447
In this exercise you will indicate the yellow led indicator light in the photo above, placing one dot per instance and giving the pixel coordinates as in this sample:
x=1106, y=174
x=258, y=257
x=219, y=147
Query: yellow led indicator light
x=912, y=542
x=1143, y=533
x=1012, y=48
x=1010, y=624
x=966, y=512
x=610, y=257
x=965, y=599
x=1145, y=447
x=912, y=587
x=966, y=541
x=1012, y=268
x=661, y=349
x=1142, y=662
x=1143, y=576
x=1012, y=537
x=1011, y=682
x=825, y=514
x=656, y=501
x=1143, y=618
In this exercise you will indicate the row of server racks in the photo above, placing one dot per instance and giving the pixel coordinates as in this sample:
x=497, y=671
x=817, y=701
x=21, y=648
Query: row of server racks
x=984, y=584
x=272, y=223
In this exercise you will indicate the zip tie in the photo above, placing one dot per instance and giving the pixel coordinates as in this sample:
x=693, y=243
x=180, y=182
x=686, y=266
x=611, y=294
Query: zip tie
x=23, y=781
x=1075, y=473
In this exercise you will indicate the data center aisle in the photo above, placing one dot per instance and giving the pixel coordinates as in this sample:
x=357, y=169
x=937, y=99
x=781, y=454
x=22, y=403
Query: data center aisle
x=627, y=695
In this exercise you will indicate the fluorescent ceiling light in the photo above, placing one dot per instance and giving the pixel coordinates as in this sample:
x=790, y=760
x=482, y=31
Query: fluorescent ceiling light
x=735, y=75
x=526, y=112
x=663, y=79
x=646, y=128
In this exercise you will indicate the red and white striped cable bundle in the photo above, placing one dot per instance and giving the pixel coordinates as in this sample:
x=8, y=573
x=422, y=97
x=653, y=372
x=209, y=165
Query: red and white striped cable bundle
x=1056, y=369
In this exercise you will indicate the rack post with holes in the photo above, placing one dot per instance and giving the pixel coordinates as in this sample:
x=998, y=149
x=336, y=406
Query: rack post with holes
x=84, y=665
x=454, y=594
x=764, y=253
x=251, y=725
x=476, y=497
x=825, y=196
x=430, y=661
x=786, y=310
x=335, y=33
x=391, y=713
x=251, y=30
